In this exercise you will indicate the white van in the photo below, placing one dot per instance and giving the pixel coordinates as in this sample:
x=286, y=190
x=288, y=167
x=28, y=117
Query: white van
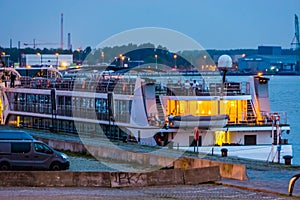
x=32, y=154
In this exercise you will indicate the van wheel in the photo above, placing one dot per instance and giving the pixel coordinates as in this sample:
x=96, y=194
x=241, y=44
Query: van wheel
x=4, y=166
x=55, y=166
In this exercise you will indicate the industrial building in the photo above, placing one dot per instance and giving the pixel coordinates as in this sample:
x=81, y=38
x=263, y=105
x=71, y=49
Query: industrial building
x=269, y=60
x=55, y=60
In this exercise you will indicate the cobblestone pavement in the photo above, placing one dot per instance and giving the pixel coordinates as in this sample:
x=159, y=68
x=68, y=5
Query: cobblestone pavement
x=203, y=191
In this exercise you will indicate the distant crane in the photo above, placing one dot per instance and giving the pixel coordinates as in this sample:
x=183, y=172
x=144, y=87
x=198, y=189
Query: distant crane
x=296, y=40
x=34, y=44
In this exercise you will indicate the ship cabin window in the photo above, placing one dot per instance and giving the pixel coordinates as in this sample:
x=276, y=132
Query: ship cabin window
x=235, y=109
x=22, y=98
x=250, y=139
x=68, y=101
x=61, y=100
x=122, y=110
x=101, y=105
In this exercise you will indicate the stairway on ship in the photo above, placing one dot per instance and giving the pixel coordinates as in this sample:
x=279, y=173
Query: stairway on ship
x=250, y=112
x=160, y=111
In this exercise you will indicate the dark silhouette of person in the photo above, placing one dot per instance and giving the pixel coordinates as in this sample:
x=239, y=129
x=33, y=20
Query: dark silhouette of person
x=4, y=79
x=12, y=79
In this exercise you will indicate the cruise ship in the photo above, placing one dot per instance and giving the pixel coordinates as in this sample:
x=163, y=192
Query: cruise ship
x=208, y=117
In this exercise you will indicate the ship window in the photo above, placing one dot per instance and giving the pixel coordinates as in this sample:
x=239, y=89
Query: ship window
x=250, y=139
x=60, y=100
x=68, y=101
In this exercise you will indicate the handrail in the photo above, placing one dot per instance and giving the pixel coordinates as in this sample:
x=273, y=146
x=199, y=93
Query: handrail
x=292, y=183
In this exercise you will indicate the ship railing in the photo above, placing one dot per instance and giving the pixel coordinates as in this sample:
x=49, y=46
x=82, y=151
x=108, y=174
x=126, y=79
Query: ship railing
x=247, y=120
x=213, y=89
x=102, y=86
x=273, y=117
x=265, y=118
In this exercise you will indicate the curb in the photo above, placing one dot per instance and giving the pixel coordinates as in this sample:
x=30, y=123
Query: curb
x=255, y=189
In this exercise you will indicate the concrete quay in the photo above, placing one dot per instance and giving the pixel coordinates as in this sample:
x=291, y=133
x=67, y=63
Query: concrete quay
x=109, y=179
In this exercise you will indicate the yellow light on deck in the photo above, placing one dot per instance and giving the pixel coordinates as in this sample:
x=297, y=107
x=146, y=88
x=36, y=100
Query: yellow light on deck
x=18, y=121
x=28, y=66
x=259, y=74
x=64, y=64
x=220, y=137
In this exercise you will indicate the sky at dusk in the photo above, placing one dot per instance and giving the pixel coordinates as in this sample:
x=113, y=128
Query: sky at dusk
x=215, y=24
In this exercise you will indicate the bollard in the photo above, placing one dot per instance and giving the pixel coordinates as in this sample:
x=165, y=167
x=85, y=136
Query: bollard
x=224, y=152
x=287, y=159
x=170, y=145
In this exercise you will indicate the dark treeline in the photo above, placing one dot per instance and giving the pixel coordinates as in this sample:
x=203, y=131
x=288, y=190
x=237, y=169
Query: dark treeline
x=148, y=53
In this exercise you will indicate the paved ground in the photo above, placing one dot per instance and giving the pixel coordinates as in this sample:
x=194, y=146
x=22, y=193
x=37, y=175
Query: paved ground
x=270, y=179
x=203, y=191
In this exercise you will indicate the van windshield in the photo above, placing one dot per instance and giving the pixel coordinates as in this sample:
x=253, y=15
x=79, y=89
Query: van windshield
x=42, y=148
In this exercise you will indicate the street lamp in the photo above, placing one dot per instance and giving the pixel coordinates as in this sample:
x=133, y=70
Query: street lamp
x=79, y=55
x=102, y=56
x=3, y=57
x=56, y=54
x=175, y=57
x=40, y=55
x=155, y=60
x=122, y=58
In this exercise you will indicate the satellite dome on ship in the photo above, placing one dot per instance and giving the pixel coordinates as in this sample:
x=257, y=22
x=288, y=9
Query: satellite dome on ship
x=225, y=61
